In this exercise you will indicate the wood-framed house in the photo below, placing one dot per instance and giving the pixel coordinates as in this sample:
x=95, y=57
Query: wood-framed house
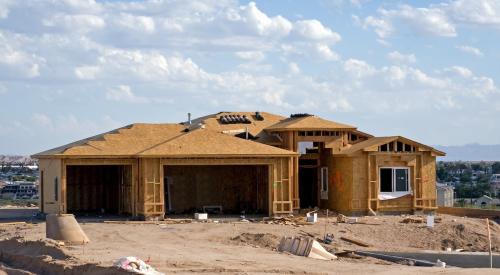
x=252, y=162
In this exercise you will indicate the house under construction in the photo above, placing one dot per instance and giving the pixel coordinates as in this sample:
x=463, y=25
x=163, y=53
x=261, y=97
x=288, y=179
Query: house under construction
x=231, y=162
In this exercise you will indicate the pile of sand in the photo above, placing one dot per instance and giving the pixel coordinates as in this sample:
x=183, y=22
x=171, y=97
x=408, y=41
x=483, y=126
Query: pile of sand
x=259, y=240
x=42, y=257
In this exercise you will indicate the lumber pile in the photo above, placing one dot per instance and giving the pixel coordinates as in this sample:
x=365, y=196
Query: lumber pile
x=306, y=247
x=355, y=241
x=289, y=220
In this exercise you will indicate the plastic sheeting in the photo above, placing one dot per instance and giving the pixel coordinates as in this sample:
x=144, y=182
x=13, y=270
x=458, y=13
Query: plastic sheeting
x=135, y=265
x=392, y=195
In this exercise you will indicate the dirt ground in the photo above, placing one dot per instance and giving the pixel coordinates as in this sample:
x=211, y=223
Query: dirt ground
x=240, y=248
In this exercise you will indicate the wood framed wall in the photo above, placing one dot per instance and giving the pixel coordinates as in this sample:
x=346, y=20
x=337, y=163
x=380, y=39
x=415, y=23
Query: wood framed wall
x=279, y=175
x=50, y=171
x=422, y=181
x=147, y=186
x=127, y=203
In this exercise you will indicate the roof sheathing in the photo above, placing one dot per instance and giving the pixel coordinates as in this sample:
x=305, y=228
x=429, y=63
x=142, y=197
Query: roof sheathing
x=377, y=141
x=143, y=140
x=206, y=142
x=308, y=123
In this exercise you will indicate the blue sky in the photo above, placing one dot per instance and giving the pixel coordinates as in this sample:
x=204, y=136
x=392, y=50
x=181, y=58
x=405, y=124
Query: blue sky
x=70, y=69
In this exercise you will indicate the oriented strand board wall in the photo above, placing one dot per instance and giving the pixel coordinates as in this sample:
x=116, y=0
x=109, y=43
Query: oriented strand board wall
x=360, y=183
x=429, y=194
x=403, y=204
x=52, y=170
x=340, y=184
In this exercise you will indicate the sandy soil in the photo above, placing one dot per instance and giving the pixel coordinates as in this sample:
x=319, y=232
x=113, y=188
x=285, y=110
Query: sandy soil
x=246, y=248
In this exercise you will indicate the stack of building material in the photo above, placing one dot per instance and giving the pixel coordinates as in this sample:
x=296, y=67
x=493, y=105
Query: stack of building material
x=306, y=247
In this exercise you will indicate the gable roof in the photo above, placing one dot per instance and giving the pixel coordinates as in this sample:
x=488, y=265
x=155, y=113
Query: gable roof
x=377, y=141
x=162, y=140
x=308, y=123
x=205, y=142
x=124, y=141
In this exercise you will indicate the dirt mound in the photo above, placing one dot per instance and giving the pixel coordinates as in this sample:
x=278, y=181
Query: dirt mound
x=260, y=240
x=44, y=258
x=469, y=235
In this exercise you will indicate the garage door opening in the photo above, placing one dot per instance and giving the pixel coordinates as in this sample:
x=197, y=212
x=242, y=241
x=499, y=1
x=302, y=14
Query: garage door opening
x=235, y=188
x=99, y=189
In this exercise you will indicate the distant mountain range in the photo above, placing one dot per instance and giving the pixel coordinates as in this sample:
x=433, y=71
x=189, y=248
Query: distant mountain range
x=470, y=152
x=16, y=160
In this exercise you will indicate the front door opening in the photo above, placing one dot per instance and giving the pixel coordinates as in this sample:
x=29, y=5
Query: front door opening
x=308, y=187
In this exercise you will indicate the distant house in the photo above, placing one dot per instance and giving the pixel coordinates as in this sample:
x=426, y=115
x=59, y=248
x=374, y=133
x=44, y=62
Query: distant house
x=19, y=190
x=495, y=184
x=445, y=195
x=487, y=201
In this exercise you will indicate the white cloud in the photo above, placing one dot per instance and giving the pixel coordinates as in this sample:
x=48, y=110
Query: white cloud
x=251, y=55
x=476, y=12
x=137, y=23
x=437, y=19
x=340, y=105
x=382, y=27
x=123, y=93
x=461, y=71
x=15, y=62
x=293, y=68
x=261, y=23
x=422, y=20
x=4, y=9
x=398, y=57
x=76, y=23
x=314, y=30
x=87, y=72
x=470, y=50
x=324, y=52
x=42, y=120
x=358, y=68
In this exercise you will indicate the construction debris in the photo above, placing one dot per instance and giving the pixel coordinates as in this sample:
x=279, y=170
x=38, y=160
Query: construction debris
x=312, y=217
x=135, y=265
x=306, y=247
x=344, y=219
x=413, y=220
x=289, y=220
x=328, y=238
x=355, y=241
x=200, y=216
x=11, y=223
x=420, y=219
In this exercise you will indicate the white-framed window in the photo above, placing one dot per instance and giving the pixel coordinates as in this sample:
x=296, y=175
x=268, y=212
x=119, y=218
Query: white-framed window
x=394, y=180
x=324, y=183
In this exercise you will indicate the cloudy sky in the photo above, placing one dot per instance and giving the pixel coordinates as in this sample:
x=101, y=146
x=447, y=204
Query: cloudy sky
x=70, y=69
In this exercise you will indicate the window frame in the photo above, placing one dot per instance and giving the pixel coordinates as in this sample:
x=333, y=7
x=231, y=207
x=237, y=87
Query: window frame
x=393, y=180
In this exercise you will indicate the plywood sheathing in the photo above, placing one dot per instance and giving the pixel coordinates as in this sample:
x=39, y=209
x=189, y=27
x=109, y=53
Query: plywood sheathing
x=308, y=123
x=126, y=141
x=205, y=142
x=143, y=140
x=373, y=143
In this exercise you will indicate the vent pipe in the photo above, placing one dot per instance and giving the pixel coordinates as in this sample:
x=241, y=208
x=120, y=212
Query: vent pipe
x=189, y=118
x=246, y=133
